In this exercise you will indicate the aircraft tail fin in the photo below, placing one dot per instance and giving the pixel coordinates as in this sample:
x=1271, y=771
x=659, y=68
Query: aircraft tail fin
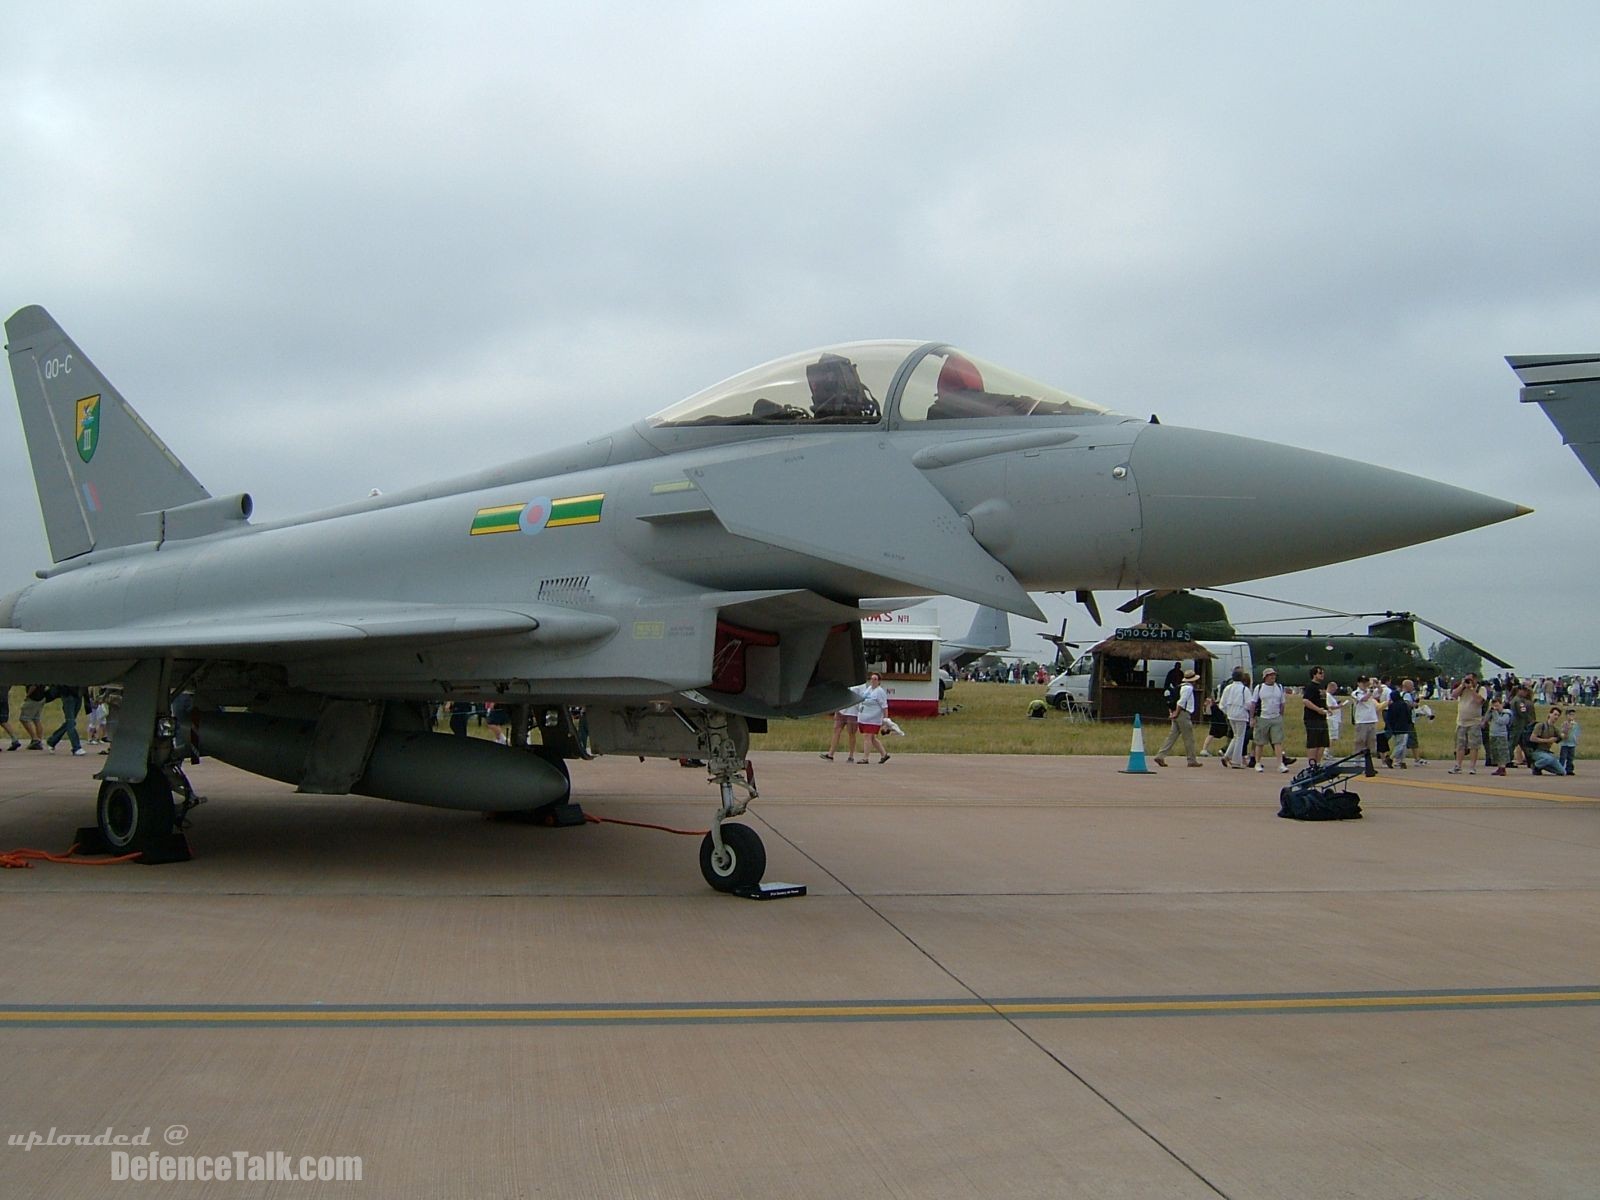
x=102, y=474
x=990, y=628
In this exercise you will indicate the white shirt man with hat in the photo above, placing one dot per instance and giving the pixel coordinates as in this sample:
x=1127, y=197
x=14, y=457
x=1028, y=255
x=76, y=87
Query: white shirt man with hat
x=1182, y=716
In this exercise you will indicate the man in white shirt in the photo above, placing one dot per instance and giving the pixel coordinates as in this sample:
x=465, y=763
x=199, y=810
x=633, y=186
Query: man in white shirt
x=1235, y=705
x=1367, y=698
x=1266, y=705
x=1182, y=722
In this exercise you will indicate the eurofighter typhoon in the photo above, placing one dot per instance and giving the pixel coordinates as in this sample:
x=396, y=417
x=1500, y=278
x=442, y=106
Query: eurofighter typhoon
x=664, y=590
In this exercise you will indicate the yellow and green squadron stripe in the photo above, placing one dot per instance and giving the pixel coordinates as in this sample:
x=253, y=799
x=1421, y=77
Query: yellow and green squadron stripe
x=502, y=518
x=575, y=510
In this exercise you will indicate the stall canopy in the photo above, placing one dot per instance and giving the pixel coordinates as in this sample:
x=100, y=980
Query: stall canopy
x=1150, y=647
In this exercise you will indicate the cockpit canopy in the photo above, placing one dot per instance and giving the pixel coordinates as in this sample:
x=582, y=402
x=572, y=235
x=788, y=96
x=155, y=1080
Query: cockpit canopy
x=863, y=383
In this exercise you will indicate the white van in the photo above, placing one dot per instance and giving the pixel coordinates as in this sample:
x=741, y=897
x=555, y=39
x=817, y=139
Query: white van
x=1225, y=656
x=1071, y=688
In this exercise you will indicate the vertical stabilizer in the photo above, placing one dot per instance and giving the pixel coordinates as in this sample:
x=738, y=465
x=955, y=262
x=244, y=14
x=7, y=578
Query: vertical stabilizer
x=102, y=474
x=991, y=630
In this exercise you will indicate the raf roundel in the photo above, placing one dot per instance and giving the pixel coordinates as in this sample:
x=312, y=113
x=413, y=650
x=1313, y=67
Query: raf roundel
x=535, y=514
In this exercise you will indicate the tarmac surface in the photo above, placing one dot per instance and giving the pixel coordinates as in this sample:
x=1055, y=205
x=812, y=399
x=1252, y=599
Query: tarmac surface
x=1012, y=977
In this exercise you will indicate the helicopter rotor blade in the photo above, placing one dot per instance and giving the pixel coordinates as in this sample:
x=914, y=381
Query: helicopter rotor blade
x=1154, y=594
x=1331, y=612
x=1086, y=598
x=1474, y=647
x=1275, y=621
x=1456, y=637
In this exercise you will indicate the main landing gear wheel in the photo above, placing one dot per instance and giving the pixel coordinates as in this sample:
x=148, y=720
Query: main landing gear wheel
x=133, y=816
x=740, y=864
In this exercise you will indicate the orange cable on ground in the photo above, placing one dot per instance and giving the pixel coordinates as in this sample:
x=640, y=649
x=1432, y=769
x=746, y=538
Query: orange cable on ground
x=26, y=858
x=594, y=820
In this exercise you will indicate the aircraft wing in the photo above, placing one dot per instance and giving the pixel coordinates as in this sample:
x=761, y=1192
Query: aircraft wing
x=285, y=637
x=1567, y=387
x=859, y=503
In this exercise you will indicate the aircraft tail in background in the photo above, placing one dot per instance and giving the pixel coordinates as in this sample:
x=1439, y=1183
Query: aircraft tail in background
x=990, y=632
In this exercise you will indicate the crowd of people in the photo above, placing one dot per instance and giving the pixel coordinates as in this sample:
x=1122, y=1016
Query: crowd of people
x=1498, y=719
x=1544, y=689
x=1004, y=672
x=99, y=705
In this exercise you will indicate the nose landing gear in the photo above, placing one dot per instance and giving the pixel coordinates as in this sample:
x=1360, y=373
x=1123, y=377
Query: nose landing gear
x=731, y=855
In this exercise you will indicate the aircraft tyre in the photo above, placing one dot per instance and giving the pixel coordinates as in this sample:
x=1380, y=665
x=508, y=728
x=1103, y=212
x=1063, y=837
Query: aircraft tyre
x=743, y=864
x=134, y=816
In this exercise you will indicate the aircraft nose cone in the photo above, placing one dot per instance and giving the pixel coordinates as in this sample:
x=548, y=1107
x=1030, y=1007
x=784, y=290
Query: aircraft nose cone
x=1221, y=508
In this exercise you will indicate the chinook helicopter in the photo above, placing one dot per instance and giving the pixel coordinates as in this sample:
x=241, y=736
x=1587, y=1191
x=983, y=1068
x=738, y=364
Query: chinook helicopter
x=1388, y=649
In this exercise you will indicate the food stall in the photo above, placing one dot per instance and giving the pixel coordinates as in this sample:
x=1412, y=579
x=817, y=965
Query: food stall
x=903, y=647
x=1131, y=666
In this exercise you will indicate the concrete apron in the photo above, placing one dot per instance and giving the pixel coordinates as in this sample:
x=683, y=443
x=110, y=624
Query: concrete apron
x=1013, y=976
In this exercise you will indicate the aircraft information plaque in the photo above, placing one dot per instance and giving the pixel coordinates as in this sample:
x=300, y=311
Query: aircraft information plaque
x=771, y=891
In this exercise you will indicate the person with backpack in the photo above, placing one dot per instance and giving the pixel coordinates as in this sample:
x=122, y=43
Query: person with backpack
x=1182, y=715
x=1400, y=721
x=1266, y=709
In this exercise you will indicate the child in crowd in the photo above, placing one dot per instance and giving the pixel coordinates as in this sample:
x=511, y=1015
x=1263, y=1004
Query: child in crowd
x=1569, y=739
x=1499, y=726
x=97, y=719
x=1423, y=710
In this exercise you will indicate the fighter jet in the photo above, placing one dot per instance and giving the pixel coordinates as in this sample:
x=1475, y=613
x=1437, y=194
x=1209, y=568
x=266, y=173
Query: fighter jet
x=663, y=590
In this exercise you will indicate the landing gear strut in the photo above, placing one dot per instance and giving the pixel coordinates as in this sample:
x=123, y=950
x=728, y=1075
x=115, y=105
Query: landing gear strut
x=140, y=816
x=731, y=855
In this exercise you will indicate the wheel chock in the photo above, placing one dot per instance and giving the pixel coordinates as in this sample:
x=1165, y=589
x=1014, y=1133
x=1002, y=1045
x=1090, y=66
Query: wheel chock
x=552, y=816
x=770, y=891
x=171, y=848
x=89, y=840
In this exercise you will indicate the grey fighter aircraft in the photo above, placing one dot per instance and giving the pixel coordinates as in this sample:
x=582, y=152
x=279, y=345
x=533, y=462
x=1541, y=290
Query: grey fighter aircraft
x=663, y=590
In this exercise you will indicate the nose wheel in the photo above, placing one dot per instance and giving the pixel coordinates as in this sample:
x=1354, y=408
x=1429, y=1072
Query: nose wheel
x=732, y=857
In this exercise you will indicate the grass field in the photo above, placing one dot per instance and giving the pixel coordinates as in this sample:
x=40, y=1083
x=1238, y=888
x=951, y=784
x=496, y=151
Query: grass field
x=992, y=718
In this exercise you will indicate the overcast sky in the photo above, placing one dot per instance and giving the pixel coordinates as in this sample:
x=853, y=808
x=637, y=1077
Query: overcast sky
x=325, y=248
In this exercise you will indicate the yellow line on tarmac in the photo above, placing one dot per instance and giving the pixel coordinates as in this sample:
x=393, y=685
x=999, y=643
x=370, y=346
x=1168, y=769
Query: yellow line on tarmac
x=532, y=1015
x=1294, y=1003
x=1488, y=789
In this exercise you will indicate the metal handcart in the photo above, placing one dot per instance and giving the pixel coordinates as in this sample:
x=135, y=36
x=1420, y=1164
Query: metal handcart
x=1322, y=792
